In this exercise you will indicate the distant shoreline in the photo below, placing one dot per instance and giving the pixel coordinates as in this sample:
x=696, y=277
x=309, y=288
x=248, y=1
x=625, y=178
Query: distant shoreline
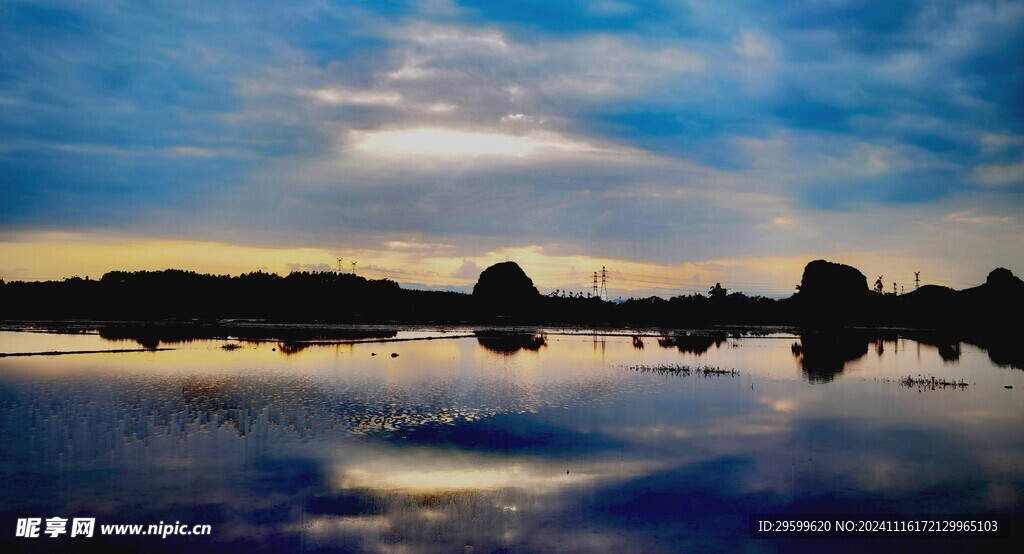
x=829, y=296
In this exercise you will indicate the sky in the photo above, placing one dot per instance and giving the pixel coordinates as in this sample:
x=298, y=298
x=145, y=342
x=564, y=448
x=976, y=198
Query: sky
x=676, y=144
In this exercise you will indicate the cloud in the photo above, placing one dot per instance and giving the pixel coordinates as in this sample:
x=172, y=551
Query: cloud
x=341, y=96
x=974, y=216
x=752, y=45
x=293, y=267
x=999, y=175
x=439, y=142
x=420, y=137
x=468, y=270
x=994, y=142
x=478, y=63
x=517, y=123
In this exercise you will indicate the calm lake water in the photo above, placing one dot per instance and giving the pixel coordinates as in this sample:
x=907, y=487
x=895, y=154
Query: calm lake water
x=545, y=442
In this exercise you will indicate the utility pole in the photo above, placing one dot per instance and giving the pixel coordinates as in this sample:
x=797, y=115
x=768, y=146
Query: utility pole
x=917, y=279
x=595, y=284
x=353, y=268
x=339, y=264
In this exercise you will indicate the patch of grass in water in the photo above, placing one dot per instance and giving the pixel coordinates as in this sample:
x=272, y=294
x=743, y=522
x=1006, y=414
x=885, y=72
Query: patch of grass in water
x=685, y=370
x=927, y=382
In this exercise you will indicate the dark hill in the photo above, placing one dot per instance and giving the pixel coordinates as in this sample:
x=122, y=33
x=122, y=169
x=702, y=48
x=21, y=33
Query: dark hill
x=1001, y=282
x=505, y=288
x=930, y=293
x=927, y=306
x=822, y=279
x=999, y=300
x=833, y=294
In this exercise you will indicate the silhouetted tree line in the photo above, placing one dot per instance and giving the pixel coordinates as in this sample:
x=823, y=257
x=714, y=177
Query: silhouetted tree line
x=829, y=296
x=176, y=294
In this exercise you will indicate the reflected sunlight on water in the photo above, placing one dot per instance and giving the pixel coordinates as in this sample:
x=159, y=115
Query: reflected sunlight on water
x=538, y=441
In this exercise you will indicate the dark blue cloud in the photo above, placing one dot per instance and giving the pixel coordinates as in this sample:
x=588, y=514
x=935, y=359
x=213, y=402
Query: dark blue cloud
x=806, y=113
x=996, y=74
x=72, y=188
x=106, y=113
x=692, y=133
x=862, y=25
x=914, y=188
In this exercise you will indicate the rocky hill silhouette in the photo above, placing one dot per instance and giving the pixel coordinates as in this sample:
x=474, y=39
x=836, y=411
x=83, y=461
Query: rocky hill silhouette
x=505, y=289
x=833, y=294
x=994, y=304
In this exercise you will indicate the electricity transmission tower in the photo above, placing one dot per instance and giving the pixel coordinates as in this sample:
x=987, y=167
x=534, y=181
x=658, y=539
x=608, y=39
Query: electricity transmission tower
x=604, y=283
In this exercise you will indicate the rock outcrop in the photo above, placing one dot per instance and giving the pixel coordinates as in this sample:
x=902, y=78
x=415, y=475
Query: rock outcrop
x=504, y=288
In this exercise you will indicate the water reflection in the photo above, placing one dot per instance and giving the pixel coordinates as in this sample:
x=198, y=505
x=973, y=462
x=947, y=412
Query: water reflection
x=289, y=348
x=510, y=343
x=450, y=447
x=696, y=342
x=823, y=356
x=296, y=337
x=1004, y=350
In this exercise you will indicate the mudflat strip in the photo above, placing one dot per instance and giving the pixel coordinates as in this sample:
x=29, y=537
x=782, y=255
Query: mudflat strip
x=63, y=352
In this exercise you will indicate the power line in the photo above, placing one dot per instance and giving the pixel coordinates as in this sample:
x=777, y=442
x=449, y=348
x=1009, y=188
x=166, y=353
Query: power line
x=410, y=273
x=698, y=282
x=436, y=280
x=690, y=284
x=954, y=282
